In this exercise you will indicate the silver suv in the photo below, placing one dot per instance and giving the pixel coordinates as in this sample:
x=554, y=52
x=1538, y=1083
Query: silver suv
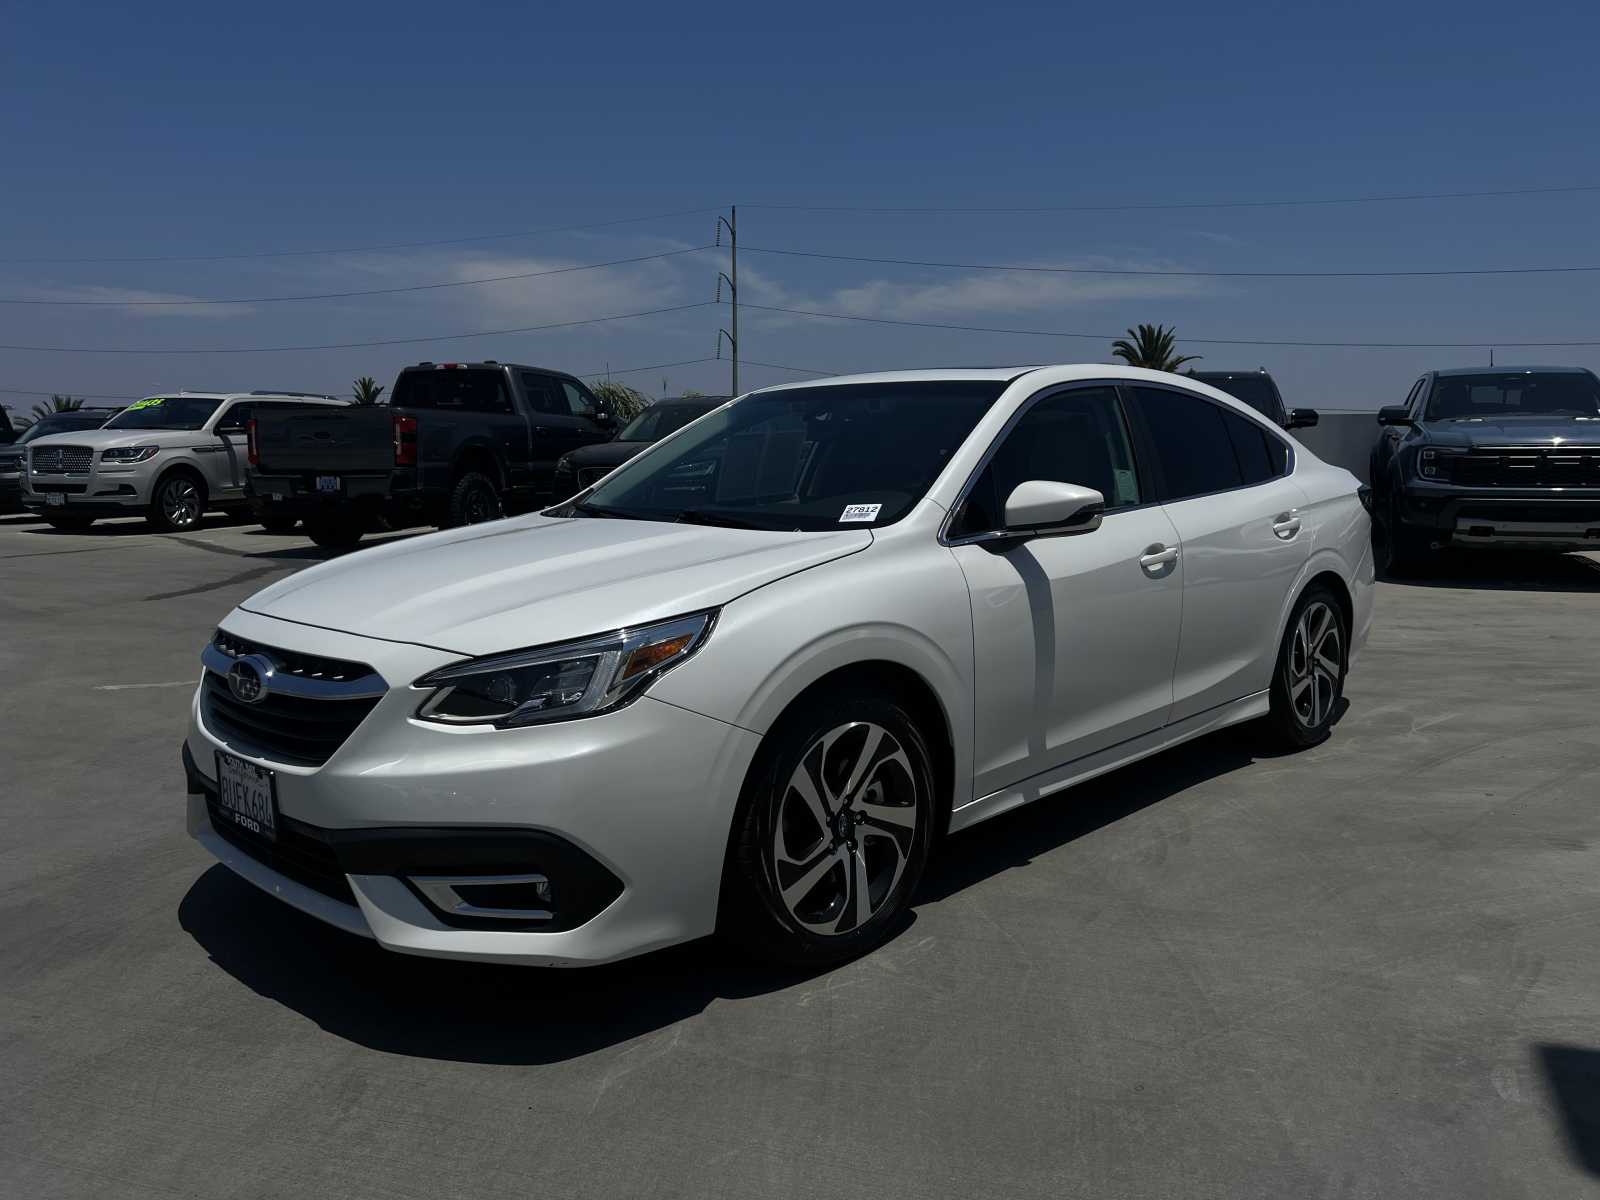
x=167, y=458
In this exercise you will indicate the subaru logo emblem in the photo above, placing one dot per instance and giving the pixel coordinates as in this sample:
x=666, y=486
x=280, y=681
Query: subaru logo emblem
x=245, y=682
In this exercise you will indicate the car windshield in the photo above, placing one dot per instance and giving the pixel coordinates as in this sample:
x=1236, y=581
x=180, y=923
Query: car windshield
x=165, y=412
x=655, y=422
x=1520, y=394
x=1255, y=390
x=808, y=458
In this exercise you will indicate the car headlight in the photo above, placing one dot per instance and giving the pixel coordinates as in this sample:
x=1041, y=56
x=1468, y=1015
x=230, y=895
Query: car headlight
x=129, y=454
x=561, y=681
x=1433, y=463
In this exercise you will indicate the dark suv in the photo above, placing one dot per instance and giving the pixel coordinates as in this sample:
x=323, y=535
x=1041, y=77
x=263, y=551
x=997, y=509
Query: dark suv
x=1260, y=391
x=13, y=453
x=1496, y=457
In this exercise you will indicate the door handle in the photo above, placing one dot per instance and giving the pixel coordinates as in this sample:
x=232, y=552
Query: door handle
x=1286, y=524
x=1158, y=557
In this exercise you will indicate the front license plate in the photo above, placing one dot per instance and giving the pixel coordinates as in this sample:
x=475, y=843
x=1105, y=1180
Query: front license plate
x=328, y=483
x=247, y=795
x=55, y=499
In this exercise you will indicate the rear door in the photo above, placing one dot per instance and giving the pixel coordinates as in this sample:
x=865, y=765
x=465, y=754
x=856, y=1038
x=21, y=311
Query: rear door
x=564, y=419
x=1225, y=485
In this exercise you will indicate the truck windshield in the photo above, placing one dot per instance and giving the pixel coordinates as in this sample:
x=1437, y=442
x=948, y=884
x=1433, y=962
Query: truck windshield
x=812, y=458
x=1522, y=394
x=166, y=412
x=1259, y=392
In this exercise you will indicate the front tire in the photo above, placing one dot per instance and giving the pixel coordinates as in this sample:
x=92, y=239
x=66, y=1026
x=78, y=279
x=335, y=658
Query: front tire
x=335, y=533
x=1308, y=683
x=1403, y=549
x=179, y=503
x=832, y=833
x=474, y=500
x=69, y=524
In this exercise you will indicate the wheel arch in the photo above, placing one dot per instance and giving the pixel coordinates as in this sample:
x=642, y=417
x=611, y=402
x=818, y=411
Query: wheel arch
x=183, y=466
x=478, y=455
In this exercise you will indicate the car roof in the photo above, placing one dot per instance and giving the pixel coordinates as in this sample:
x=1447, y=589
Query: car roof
x=1059, y=372
x=309, y=397
x=1513, y=370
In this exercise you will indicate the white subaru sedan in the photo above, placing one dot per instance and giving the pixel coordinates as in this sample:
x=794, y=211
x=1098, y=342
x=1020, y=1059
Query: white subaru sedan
x=750, y=680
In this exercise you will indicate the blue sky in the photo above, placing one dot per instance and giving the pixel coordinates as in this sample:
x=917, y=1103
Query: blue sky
x=151, y=130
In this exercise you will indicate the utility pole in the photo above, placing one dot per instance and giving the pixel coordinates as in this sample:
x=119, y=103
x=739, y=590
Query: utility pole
x=731, y=278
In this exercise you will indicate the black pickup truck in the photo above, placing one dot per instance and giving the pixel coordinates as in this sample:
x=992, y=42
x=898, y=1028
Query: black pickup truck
x=458, y=443
x=1260, y=391
x=1505, y=457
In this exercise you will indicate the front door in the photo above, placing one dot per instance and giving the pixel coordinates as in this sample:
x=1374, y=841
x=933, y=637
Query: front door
x=1074, y=637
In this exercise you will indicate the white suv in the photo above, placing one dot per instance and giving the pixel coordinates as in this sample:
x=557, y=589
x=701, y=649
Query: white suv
x=169, y=458
x=751, y=678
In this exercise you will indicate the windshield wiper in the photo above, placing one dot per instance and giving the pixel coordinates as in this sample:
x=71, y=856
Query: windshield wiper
x=699, y=516
x=585, y=509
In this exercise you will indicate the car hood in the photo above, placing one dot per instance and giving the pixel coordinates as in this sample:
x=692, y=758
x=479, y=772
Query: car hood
x=1515, y=431
x=533, y=580
x=606, y=454
x=105, y=439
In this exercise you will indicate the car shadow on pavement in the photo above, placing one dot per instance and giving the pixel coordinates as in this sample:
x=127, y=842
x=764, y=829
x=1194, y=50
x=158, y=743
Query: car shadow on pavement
x=1573, y=1076
x=454, y=1011
x=1505, y=571
x=475, y=1012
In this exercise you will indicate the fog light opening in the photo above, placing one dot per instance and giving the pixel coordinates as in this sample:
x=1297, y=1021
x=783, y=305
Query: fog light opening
x=526, y=897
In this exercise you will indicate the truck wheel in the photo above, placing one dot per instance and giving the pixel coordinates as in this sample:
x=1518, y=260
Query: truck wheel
x=178, y=504
x=71, y=524
x=334, y=533
x=474, y=500
x=279, y=524
x=1402, y=548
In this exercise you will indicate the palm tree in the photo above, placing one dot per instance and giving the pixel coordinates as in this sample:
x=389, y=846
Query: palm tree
x=1154, y=347
x=58, y=404
x=626, y=403
x=367, y=390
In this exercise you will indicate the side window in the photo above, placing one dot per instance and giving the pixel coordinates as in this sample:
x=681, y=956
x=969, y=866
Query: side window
x=542, y=396
x=578, y=402
x=1418, y=391
x=1191, y=441
x=1253, y=447
x=1076, y=436
x=233, y=421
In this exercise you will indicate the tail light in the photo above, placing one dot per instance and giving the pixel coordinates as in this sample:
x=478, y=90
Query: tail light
x=405, y=441
x=253, y=450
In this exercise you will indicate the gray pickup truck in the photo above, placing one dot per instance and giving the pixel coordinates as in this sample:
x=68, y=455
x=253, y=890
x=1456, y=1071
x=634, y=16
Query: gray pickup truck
x=458, y=443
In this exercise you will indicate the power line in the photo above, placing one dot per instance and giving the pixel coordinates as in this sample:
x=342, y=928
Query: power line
x=390, y=291
x=1210, y=341
x=457, y=241
x=682, y=362
x=405, y=341
x=1187, y=204
x=782, y=367
x=969, y=266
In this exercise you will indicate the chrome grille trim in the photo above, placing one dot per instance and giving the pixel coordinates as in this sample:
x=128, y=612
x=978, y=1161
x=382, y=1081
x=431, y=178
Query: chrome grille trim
x=61, y=460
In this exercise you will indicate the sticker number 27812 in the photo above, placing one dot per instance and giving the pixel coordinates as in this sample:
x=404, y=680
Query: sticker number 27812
x=859, y=512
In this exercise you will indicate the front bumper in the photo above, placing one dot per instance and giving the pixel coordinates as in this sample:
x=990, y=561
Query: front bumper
x=103, y=490
x=1504, y=517
x=628, y=814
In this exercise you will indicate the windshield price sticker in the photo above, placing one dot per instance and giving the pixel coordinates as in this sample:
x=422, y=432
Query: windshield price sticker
x=152, y=402
x=860, y=512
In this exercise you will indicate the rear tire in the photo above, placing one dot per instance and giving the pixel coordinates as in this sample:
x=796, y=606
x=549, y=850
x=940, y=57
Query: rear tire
x=1308, y=681
x=70, y=524
x=832, y=833
x=474, y=500
x=334, y=533
x=179, y=503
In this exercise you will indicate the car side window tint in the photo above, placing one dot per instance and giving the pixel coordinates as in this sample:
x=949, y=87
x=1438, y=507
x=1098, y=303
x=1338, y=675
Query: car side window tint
x=1075, y=436
x=1250, y=448
x=578, y=404
x=542, y=396
x=1191, y=443
x=235, y=419
x=1418, y=391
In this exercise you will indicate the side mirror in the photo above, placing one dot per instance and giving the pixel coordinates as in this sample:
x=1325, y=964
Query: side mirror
x=1395, y=414
x=605, y=420
x=1303, y=418
x=1044, y=508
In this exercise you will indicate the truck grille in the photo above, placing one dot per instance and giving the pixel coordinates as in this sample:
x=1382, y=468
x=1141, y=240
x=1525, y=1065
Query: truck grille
x=1525, y=467
x=588, y=475
x=305, y=715
x=62, y=460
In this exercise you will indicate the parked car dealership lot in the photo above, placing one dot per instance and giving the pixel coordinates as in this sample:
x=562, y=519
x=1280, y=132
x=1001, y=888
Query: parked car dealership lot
x=1362, y=970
